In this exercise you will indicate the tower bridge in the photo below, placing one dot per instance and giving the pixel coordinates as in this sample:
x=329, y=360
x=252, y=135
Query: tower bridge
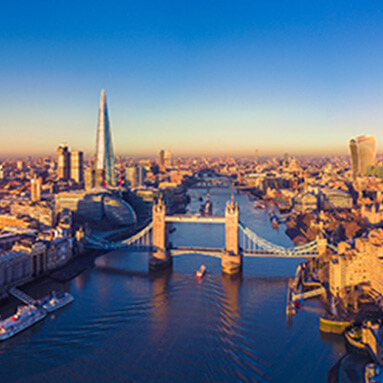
x=240, y=241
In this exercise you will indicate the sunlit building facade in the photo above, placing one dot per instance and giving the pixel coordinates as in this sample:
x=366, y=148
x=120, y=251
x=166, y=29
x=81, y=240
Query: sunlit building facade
x=362, y=151
x=77, y=167
x=63, y=162
x=35, y=189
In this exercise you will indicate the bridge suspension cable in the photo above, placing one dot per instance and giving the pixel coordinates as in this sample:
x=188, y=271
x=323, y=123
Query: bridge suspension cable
x=252, y=243
x=139, y=241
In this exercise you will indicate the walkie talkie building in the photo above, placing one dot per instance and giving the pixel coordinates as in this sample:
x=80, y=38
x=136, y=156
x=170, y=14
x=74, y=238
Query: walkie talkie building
x=362, y=150
x=104, y=160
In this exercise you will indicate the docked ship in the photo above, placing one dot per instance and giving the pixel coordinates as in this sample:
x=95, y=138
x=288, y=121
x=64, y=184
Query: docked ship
x=333, y=325
x=332, y=322
x=25, y=317
x=353, y=336
x=367, y=338
x=55, y=301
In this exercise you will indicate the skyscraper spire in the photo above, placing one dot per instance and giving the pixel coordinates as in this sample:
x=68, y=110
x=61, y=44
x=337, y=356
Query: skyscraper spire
x=104, y=162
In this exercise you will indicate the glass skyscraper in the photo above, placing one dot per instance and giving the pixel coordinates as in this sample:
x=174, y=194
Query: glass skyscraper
x=104, y=160
x=362, y=150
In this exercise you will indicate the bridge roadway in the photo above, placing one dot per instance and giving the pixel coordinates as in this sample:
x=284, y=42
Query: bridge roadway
x=195, y=219
x=217, y=252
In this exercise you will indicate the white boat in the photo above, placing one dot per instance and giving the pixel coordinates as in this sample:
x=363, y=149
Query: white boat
x=201, y=272
x=55, y=301
x=25, y=317
x=259, y=205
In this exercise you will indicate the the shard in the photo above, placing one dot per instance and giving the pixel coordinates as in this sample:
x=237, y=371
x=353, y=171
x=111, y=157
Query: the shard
x=104, y=161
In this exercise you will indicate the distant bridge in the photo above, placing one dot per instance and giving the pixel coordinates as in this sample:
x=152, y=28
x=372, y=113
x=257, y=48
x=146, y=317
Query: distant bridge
x=212, y=183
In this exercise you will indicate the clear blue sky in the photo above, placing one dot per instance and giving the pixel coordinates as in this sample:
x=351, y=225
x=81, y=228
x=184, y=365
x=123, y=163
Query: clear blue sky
x=199, y=77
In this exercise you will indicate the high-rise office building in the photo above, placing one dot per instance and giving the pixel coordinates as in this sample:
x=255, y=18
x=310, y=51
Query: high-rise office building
x=89, y=178
x=362, y=151
x=77, y=167
x=168, y=160
x=131, y=176
x=162, y=159
x=104, y=162
x=63, y=162
x=135, y=175
x=35, y=189
x=141, y=172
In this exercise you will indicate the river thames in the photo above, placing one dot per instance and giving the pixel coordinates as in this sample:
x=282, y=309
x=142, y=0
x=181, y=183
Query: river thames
x=127, y=325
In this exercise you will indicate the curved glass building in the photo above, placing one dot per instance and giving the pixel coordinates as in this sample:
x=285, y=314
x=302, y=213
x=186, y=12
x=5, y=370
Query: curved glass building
x=362, y=151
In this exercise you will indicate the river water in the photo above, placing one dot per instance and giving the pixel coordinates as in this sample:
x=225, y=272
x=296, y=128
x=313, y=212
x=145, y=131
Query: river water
x=127, y=325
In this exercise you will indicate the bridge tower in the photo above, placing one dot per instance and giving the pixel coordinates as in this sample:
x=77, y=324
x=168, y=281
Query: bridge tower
x=322, y=246
x=160, y=257
x=231, y=226
x=231, y=258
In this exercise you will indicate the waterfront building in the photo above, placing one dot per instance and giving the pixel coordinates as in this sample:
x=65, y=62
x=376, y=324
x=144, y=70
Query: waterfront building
x=59, y=251
x=37, y=254
x=104, y=163
x=353, y=265
x=77, y=167
x=15, y=268
x=29, y=257
x=362, y=151
x=63, y=162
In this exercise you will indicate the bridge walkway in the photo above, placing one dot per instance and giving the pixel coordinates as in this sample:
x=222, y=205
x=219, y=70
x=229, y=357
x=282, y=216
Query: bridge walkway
x=194, y=219
x=21, y=296
x=309, y=294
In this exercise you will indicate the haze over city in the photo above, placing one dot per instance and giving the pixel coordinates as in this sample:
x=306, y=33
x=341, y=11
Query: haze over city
x=198, y=78
x=191, y=191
